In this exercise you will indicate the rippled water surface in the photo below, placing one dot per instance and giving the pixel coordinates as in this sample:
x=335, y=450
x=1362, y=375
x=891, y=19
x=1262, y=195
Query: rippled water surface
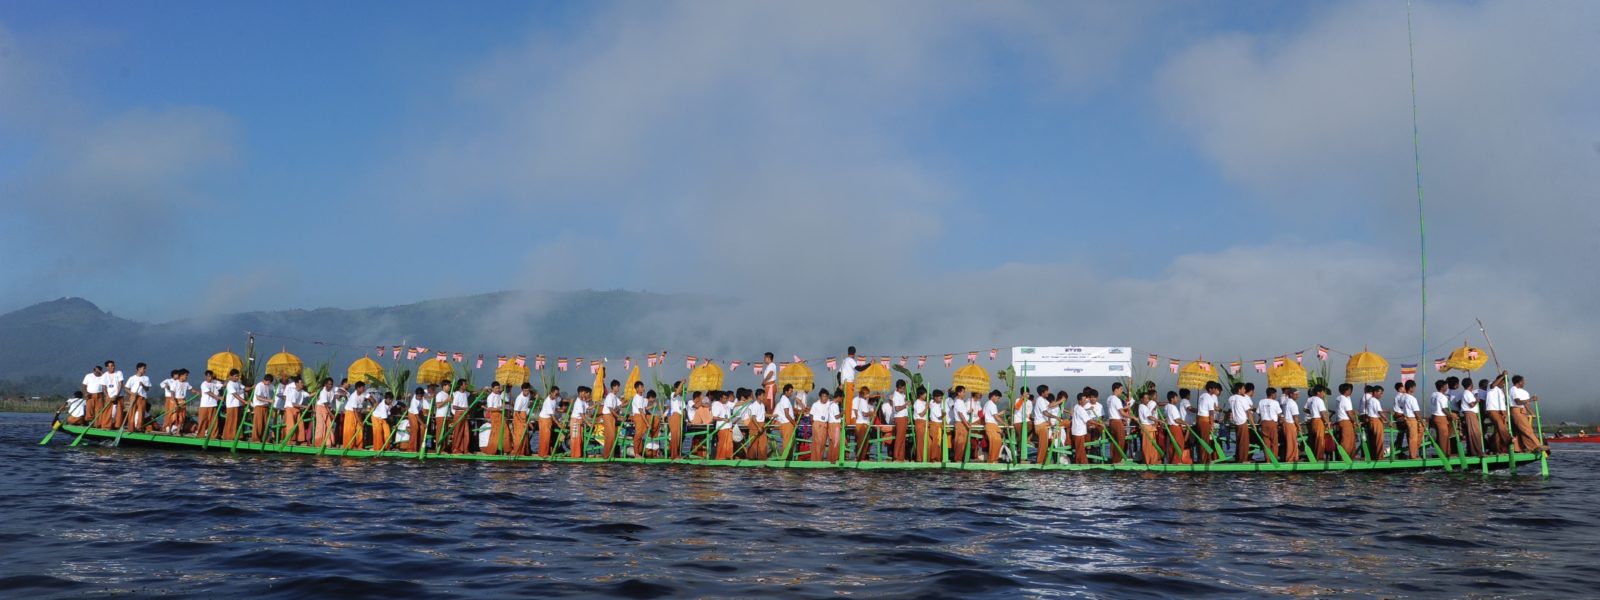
x=101, y=521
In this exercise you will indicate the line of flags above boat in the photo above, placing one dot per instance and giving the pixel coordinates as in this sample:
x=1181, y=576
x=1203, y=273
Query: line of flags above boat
x=1469, y=359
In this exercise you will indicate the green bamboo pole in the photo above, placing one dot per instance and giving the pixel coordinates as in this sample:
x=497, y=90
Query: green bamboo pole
x=55, y=424
x=98, y=413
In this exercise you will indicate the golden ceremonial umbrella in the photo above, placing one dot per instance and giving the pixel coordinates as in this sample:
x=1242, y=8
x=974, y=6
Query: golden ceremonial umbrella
x=365, y=369
x=1289, y=374
x=798, y=375
x=875, y=378
x=972, y=377
x=434, y=371
x=1366, y=367
x=1466, y=358
x=222, y=362
x=705, y=378
x=512, y=374
x=284, y=365
x=1196, y=375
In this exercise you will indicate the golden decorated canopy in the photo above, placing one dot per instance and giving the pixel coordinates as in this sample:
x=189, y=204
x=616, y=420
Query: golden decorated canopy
x=223, y=362
x=1287, y=374
x=972, y=377
x=705, y=378
x=1366, y=367
x=875, y=377
x=1196, y=375
x=798, y=375
x=1466, y=358
x=284, y=365
x=365, y=369
x=512, y=374
x=434, y=371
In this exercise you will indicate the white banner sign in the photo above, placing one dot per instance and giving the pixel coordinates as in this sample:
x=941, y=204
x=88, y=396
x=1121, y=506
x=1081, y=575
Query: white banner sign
x=1072, y=361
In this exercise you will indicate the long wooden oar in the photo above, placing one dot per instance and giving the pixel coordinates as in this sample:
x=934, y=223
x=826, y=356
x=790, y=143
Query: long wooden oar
x=55, y=425
x=86, y=428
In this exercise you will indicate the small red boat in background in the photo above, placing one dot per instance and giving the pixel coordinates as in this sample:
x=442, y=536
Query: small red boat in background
x=1575, y=439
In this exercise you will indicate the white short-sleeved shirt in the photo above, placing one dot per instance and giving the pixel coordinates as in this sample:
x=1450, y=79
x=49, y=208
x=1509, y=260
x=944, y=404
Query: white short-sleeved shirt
x=676, y=405
x=180, y=390
x=1406, y=405
x=1081, y=415
x=991, y=412
x=1206, y=405
x=769, y=374
x=76, y=407
x=113, y=383
x=1114, y=409
x=783, y=410
x=639, y=405
x=847, y=371
x=167, y=388
x=1147, y=413
x=1520, y=397
x=234, y=394
x=494, y=401
x=825, y=412
x=547, y=407
x=1344, y=406
x=720, y=413
x=898, y=402
x=756, y=412
x=1268, y=409
x=1173, y=414
x=1315, y=407
x=461, y=400
x=357, y=400
x=936, y=411
x=94, y=384
x=1469, y=401
x=861, y=411
x=1041, y=410
x=138, y=385
x=610, y=405
x=380, y=409
x=1290, y=409
x=261, y=394
x=288, y=396
x=1496, y=400
x=415, y=404
x=580, y=408
x=210, y=391
x=1371, y=407
x=1441, y=402
x=1239, y=406
x=1187, y=409
x=441, y=404
x=326, y=395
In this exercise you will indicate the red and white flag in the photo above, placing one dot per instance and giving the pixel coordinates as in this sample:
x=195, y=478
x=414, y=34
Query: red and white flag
x=397, y=350
x=538, y=361
x=797, y=358
x=561, y=364
x=380, y=351
x=1322, y=352
x=1205, y=366
x=1172, y=364
x=921, y=360
x=993, y=352
x=884, y=361
x=734, y=366
x=627, y=363
x=1233, y=367
x=972, y=357
x=1408, y=373
x=689, y=362
x=422, y=349
x=578, y=362
x=833, y=363
x=1277, y=362
x=440, y=356
x=904, y=360
x=755, y=367
x=500, y=361
x=1152, y=360
x=411, y=354
x=458, y=356
x=1261, y=366
x=1439, y=364
x=650, y=360
x=949, y=358
x=479, y=365
x=1472, y=353
x=1300, y=357
x=594, y=367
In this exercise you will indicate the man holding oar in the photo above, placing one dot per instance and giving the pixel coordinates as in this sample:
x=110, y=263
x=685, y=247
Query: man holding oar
x=1240, y=410
x=112, y=380
x=1290, y=429
x=785, y=416
x=1345, y=419
x=93, y=389
x=1206, y=410
x=521, y=408
x=1471, y=419
x=1521, y=418
x=494, y=407
x=1317, y=421
x=138, y=388
x=1117, y=415
x=233, y=406
x=1372, y=411
x=548, y=409
x=824, y=428
x=1440, y=416
x=460, y=409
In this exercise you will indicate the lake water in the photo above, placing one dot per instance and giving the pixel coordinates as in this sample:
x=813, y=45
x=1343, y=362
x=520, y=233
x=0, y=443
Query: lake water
x=93, y=521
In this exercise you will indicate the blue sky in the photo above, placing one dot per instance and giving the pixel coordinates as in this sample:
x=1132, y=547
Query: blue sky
x=1189, y=175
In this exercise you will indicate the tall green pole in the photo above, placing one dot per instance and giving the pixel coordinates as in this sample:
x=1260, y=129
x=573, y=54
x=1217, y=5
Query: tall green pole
x=1422, y=230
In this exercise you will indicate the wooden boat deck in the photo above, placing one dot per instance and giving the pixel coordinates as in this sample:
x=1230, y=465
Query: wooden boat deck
x=1469, y=464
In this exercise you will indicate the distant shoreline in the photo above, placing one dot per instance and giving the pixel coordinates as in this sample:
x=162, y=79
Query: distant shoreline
x=29, y=406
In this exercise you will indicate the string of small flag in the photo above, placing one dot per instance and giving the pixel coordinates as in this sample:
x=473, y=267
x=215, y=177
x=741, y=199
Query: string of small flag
x=655, y=359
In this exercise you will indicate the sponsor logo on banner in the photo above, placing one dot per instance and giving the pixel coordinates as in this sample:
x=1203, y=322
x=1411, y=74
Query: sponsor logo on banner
x=1072, y=361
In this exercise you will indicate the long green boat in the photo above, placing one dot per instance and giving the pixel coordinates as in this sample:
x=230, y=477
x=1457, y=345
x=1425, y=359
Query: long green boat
x=1467, y=464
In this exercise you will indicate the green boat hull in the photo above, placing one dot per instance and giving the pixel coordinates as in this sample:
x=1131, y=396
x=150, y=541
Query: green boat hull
x=1468, y=464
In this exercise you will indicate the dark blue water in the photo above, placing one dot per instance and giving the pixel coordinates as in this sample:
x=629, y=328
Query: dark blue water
x=95, y=521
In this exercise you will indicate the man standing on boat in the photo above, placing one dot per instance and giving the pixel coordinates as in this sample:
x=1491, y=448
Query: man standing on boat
x=824, y=428
x=461, y=426
x=354, y=428
x=138, y=388
x=260, y=408
x=494, y=407
x=1440, y=417
x=549, y=407
x=848, y=368
x=233, y=405
x=210, y=398
x=1116, y=414
x=1344, y=418
x=1270, y=414
x=676, y=413
x=1147, y=417
x=769, y=382
x=1290, y=429
x=1317, y=422
x=1372, y=411
x=1471, y=419
x=1406, y=412
x=1206, y=410
x=521, y=408
x=1521, y=419
x=93, y=389
x=1240, y=410
x=1082, y=416
x=898, y=413
x=112, y=380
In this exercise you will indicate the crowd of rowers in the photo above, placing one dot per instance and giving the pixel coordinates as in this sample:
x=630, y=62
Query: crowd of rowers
x=1463, y=418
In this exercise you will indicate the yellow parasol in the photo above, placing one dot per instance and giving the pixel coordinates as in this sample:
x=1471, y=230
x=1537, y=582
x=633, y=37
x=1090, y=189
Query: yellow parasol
x=434, y=371
x=633, y=377
x=512, y=374
x=365, y=369
x=875, y=378
x=284, y=365
x=222, y=362
x=1196, y=375
x=1287, y=375
x=600, y=379
x=799, y=375
x=1366, y=367
x=972, y=377
x=1466, y=358
x=705, y=378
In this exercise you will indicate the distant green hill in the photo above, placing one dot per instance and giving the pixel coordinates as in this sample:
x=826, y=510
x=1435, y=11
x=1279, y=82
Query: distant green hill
x=46, y=348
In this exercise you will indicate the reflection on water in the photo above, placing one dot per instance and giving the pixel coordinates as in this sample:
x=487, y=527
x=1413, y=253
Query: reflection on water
x=100, y=520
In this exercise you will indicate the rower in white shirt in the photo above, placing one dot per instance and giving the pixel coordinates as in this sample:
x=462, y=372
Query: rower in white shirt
x=292, y=397
x=1206, y=411
x=1406, y=413
x=1289, y=431
x=494, y=407
x=1082, y=415
x=1270, y=414
x=112, y=380
x=938, y=442
x=610, y=416
x=233, y=405
x=94, y=392
x=460, y=441
x=578, y=422
x=1372, y=412
x=989, y=415
x=1317, y=419
x=1345, y=420
x=861, y=417
x=261, y=399
x=413, y=426
x=1044, y=402
x=1471, y=418
x=677, y=411
x=1147, y=424
x=381, y=430
x=921, y=426
x=439, y=418
x=639, y=417
x=1172, y=419
x=1115, y=414
x=722, y=417
x=824, y=428
x=751, y=413
x=138, y=388
x=1240, y=409
x=896, y=414
x=784, y=415
x=521, y=409
x=1440, y=416
x=961, y=415
x=354, y=421
x=1522, y=416
x=547, y=421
